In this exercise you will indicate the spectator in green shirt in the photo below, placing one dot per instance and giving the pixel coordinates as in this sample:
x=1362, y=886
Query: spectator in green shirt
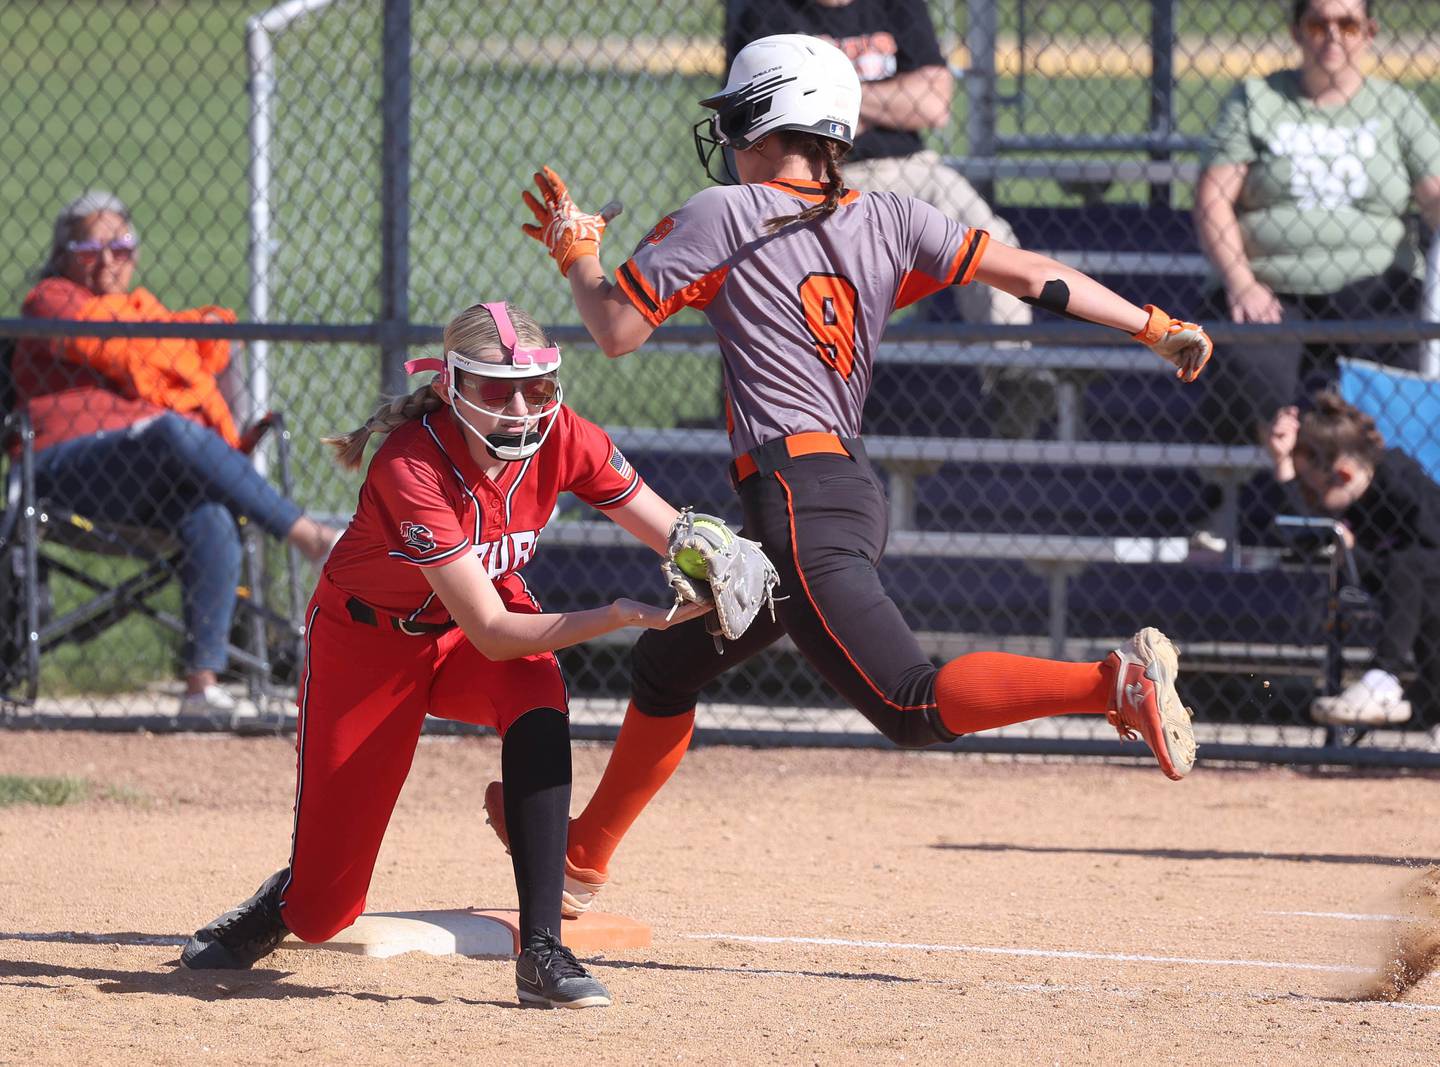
x=1303, y=210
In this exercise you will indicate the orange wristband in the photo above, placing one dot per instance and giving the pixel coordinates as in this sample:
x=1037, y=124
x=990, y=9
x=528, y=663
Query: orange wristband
x=1154, y=329
x=567, y=255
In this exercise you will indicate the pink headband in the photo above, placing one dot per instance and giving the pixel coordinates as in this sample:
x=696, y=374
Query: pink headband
x=519, y=357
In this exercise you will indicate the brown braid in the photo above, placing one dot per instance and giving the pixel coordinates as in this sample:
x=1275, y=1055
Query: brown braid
x=816, y=149
x=350, y=447
x=1335, y=428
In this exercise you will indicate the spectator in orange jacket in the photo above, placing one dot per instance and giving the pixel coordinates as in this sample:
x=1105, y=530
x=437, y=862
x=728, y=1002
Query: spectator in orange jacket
x=136, y=430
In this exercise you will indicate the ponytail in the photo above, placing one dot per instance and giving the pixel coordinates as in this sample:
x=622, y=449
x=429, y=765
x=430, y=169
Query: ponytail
x=823, y=150
x=472, y=333
x=350, y=447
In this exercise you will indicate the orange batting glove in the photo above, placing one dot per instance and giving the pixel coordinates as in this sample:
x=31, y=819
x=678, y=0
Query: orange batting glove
x=567, y=232
x=1184, y=344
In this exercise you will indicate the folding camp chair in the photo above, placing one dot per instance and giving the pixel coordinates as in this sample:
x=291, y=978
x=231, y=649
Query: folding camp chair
x=1349, y=611
x=265, y=643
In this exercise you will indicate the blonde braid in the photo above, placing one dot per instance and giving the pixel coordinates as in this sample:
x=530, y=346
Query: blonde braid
x=350, y=447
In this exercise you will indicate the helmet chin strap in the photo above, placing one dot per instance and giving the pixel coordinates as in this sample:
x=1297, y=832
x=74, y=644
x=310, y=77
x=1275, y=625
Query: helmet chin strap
x=509, y=447
x=520, y=362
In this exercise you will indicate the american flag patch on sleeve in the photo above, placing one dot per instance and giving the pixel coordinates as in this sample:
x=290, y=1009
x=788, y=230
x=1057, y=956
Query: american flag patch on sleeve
x=620, y=463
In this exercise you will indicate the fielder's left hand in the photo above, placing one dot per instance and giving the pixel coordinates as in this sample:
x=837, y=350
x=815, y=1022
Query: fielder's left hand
x=566, y=232
x=1184, y=344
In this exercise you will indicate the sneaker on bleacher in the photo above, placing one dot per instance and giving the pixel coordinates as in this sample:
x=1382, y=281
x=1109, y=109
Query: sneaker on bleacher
x=218, y=705
x=1377, y=699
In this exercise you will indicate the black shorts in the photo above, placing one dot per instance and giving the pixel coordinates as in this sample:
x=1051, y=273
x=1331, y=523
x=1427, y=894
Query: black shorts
x=822, y=520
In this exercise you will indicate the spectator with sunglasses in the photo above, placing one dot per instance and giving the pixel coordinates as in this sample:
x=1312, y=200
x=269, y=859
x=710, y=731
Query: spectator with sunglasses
x=135, y=431
x=1304, y=210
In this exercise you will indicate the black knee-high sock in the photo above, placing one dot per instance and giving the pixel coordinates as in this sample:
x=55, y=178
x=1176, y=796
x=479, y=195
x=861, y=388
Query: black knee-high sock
x=535, y=766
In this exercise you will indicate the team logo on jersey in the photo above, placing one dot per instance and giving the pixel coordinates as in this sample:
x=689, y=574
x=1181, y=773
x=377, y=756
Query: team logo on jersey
x=620, y=463
x=661, y=231
x=417, y=536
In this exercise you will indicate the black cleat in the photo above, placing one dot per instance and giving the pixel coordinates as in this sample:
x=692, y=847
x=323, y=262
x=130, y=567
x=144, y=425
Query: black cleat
x=235, y=940
x=547, y=975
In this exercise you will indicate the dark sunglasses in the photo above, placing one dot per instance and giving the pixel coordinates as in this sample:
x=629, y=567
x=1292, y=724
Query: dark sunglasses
x=495, y=393
x=122, y=248
x=1318, y=29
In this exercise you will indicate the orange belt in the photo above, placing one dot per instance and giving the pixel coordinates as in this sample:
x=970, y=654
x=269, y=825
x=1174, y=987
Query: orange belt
x=813, y=443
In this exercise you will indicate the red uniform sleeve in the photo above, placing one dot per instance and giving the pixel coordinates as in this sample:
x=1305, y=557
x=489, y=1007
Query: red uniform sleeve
x=420, y=522
x=682, y=261
x=597, y=472
x=942, y=253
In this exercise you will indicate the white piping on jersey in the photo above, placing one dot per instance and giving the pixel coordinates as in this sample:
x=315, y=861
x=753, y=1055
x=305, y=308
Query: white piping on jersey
x=397, y=554
x=425, y=422
x=420, y=610
x=524, y=469
x=634, y=484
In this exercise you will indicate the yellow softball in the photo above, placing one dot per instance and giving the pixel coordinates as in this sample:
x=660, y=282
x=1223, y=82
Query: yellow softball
x=691, y=561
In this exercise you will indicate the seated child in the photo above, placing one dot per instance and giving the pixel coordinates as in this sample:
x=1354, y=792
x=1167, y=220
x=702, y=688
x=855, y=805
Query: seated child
x=1332, y=461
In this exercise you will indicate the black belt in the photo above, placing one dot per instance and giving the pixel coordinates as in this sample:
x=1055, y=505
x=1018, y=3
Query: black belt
x=777, y=454
x=363, y=613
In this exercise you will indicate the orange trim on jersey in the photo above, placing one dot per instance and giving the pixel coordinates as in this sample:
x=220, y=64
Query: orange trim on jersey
x=812, y=192
x=697, y=294
x=639, y=292
x=810, y=443
x=642, y=294
x=795, y=557
x=917, y=285
x=968, y=261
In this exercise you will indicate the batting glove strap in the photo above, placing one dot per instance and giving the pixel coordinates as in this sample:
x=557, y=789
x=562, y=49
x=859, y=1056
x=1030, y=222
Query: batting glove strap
x=1185, y=345
x=1155, y=326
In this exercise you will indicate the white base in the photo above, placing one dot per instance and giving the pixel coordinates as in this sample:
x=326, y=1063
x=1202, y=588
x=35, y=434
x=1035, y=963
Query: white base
x=439, y=933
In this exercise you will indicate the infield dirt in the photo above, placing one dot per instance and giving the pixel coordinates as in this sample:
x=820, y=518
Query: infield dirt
x=1000, y=905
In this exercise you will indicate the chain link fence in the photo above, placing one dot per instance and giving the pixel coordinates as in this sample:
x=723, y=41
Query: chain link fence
x=346, y=175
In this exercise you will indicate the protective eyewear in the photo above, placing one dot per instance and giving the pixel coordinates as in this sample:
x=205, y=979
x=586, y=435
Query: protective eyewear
x=1347, y=27
x=122, y=248
x=495, y=393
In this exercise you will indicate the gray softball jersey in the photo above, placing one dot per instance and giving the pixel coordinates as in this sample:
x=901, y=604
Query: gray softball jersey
x=798, y=313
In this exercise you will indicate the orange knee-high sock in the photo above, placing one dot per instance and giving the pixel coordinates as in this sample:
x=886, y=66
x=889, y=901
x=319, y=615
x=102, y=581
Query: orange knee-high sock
x=983, y=690
x=646, y=753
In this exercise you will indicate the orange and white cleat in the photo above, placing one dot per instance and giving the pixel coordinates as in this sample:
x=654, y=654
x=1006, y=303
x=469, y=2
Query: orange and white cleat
x=582, y=885
x=1146, y=705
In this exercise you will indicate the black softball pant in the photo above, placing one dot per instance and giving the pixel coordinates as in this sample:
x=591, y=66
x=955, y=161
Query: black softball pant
x=822, y=520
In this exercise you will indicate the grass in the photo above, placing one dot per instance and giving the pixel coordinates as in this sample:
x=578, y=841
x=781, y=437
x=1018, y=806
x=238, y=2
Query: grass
x=46, y=792
x=150, y=99
x=127, y=656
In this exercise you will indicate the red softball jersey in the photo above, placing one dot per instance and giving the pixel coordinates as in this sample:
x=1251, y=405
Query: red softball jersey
x=425, y=501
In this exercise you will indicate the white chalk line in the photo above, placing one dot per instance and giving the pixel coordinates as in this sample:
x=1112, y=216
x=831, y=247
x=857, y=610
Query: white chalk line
x=1041, y=953
x=1345, y=916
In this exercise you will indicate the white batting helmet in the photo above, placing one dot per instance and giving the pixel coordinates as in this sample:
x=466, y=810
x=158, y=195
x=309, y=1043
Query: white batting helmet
x=788, y=81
